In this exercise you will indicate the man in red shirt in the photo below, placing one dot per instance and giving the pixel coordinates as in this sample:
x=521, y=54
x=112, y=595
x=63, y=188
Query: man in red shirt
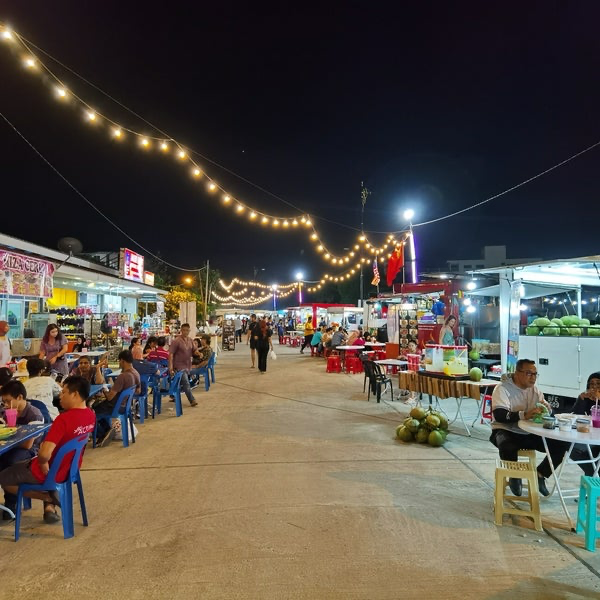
x=180, y=359
x=77, y=420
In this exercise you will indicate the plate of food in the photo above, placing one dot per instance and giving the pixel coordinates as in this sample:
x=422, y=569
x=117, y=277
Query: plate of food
x=6, y=432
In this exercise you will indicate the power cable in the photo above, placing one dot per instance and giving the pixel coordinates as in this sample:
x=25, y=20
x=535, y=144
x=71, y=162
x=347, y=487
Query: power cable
x=91, y=204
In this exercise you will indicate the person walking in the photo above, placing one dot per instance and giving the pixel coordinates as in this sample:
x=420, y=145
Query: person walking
x=262, y=335
x=308, y=334
x=251, y=340
x=180, y=359
x=238, y=329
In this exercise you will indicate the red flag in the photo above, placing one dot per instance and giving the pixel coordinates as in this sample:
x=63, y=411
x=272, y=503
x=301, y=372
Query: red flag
x=395, y=263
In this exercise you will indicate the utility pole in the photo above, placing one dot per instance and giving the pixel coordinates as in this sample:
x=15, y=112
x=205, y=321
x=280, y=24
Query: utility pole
x=206, y=296
x=364, y=193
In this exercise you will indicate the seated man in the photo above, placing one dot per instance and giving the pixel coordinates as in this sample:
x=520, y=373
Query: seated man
x=129, y=377
x=76, y=420
x=42, y=387
x=514, y=399
x=202, y=354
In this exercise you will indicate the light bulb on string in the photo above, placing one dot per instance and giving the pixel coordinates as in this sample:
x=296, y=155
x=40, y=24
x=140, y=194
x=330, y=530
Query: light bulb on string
x=212, y=187
x=91, y=115
x=29, y=62
x=181, y=154
x=7, y=35
x=145, y=142
x=196, y=172
x=61, y=92
x=164, y=147
x=117, y=132
x=226, y=199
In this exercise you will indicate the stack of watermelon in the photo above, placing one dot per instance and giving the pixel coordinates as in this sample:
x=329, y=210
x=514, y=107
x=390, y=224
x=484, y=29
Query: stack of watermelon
x=567, y=325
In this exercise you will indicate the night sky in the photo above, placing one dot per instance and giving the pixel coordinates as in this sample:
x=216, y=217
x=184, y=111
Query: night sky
x=435, y=106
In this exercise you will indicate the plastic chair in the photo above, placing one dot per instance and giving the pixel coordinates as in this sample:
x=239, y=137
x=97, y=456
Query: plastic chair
x=506, y=469
x=486, y=408
x=43, y=409
x=353, y=364
x=142, y=398
x=334, y=364
x=64, y=489
x=121, y=411
x=174, y=390
x=377, y=378
x=587, y=518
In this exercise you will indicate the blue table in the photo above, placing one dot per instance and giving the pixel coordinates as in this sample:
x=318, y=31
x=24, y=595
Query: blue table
x=94, y=389
x=23, y=433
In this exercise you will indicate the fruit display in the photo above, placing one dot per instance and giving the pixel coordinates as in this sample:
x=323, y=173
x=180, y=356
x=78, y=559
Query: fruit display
x=475, y=374
x=569, y=325
x=425, y=426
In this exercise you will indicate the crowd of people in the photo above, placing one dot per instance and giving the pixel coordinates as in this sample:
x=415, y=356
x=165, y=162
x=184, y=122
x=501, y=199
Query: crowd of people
x=68, y=406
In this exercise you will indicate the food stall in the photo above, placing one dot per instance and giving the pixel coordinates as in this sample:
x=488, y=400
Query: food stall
x=566, y=348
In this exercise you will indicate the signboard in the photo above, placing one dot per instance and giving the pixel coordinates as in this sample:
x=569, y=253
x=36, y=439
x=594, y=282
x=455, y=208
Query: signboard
x=149, y=278
x=25, y=276
x=131, y=265
x=228, y=342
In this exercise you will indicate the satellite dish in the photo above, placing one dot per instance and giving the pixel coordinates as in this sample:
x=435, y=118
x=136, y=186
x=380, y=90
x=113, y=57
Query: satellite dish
x=70, y=245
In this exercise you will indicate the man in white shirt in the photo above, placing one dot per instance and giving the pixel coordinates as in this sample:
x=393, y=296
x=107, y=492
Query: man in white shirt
x=238, y=329
x=41, y=387
x=515, y=399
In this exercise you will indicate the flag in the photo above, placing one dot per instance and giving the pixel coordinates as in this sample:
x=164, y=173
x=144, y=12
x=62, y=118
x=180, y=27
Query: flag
x=376, y=278
x=395, y=263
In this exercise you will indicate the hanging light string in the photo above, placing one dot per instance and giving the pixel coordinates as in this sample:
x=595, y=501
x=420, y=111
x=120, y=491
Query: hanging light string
x=255, y=284
x=163, y=143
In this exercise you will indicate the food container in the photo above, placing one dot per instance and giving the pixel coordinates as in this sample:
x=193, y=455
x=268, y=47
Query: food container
x=548, y=422
x=583, y=425
x=564, y=424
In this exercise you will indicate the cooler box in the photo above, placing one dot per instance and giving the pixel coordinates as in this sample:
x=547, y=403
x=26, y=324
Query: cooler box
x=414, y=361
x=450, y=360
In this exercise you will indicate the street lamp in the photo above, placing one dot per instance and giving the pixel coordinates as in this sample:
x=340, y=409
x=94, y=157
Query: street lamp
x=274, y=288
x=408, y=215
x=299, y=278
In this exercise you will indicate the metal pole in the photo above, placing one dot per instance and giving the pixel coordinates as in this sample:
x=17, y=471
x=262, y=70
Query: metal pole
x=364, y=193
x=206, y=296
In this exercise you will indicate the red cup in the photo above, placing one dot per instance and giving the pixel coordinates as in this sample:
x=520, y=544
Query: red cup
x=595, y=413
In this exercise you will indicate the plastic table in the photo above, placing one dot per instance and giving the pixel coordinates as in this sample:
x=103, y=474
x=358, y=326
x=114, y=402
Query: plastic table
x=23, y=433
x=572, y=437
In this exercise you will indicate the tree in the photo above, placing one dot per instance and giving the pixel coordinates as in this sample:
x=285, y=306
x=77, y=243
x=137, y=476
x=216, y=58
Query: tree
x=178, y=294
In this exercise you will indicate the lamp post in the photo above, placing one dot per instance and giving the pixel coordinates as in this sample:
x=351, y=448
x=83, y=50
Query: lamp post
x=299, y=278
x=408, y=215
x=274, y=288
x=364, y=194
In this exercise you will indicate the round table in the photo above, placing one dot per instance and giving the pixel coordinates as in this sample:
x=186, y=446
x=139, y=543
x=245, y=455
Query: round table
x=572, y=437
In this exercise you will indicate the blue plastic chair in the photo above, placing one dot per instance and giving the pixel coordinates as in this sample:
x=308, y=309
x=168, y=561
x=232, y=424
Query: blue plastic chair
x=121, y=411
x=43, y=409
x=142, y=398
x=64, y=489
x=174, y=390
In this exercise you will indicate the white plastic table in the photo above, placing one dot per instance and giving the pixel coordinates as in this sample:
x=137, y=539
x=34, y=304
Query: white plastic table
x=375, y=344
x=392, y=362
x=572, y=437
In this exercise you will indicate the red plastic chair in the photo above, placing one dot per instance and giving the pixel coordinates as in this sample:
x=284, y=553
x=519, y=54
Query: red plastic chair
x=486, y=409
x=334, y=364
x=353, y=364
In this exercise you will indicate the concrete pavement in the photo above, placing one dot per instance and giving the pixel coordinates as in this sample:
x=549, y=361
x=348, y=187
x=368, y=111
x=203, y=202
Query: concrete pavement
x=291, y=485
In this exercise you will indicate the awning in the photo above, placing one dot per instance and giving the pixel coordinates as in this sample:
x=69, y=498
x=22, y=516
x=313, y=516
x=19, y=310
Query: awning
x=530, y=290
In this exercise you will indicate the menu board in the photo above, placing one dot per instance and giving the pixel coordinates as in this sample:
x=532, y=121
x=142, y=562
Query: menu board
x=131, y=265
x=228, y=335
x=25, y=276
x=408, y=330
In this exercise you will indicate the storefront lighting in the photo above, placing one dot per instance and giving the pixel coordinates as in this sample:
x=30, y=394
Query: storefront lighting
x=471, y=309
x=523, y=307
x=467, y=302
x=471, y=285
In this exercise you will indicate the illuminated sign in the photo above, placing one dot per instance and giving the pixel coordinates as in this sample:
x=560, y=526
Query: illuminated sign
x=131, y=265
x=148, y=278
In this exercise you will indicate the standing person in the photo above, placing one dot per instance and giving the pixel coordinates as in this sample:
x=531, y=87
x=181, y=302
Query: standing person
x=180, y=359
x=309, y=330
x=447, y=332
x=251, y=340
x=237, y=323
x=514, y=399
x=54, y=349
x=262, y=334
x=4, y=344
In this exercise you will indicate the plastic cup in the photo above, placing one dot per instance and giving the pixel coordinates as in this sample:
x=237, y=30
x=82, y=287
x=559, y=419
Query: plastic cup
x=595, y=413
x=11, y=417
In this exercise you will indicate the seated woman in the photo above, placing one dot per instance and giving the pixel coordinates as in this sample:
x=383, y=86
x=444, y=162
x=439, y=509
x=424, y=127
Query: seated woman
x=201, y=356
x=151, y=344
x=582, y=406
x=136, y=348
x=79, y=344
x=92, y=373
x=315, y=342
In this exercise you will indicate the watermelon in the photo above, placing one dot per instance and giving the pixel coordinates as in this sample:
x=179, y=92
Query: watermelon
x=574, y=331
x=552, y=329
x=584, y=322
x=594, y=330
x=532, y=330
x=474, y=355
x=475, y=374
x=541, y=322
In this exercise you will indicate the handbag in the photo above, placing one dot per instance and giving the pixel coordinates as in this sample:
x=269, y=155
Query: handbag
x=273, y=355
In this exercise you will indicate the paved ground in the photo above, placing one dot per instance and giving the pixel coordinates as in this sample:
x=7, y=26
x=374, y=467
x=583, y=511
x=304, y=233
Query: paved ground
x=291, y=485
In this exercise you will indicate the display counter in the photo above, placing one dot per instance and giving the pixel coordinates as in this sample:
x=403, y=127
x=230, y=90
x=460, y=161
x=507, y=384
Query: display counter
x=25, y=346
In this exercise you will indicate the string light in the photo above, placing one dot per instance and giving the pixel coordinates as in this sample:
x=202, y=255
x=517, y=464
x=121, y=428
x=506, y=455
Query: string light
x=146, y=142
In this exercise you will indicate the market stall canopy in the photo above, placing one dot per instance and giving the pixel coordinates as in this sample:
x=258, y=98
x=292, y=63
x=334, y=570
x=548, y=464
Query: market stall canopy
x=571, y=273
x=530, y=290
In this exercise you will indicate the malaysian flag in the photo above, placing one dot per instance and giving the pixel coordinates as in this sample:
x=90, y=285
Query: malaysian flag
x=376, y=278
